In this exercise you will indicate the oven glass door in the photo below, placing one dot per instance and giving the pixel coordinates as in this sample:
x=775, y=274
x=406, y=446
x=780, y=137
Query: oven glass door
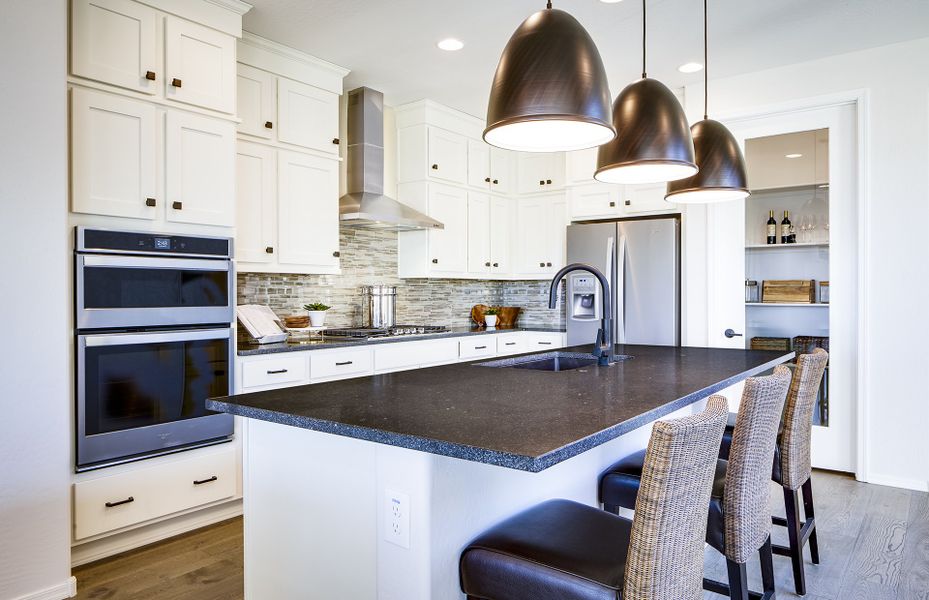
x=138, y=291
x=146, y=392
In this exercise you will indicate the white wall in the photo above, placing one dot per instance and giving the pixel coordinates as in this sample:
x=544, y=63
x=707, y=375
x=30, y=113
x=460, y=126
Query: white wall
x=896, y=412
x=35, y=390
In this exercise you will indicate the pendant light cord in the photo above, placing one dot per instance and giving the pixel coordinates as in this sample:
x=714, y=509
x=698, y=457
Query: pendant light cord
x=706, y=77
x=644, y=75
x=549, y=5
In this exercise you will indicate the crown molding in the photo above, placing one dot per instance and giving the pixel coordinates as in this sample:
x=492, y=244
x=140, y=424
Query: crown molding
x=275, y=48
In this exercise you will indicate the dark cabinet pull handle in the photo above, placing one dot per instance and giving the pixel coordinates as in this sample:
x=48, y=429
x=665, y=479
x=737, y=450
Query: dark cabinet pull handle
x=337, y=254
x=277, y=371
x=486, y=264
x=150, y=75
x=269, y=125
x=545, y=343
x=342, y=364
x=480, y=347
x=202, y=481
x=335, y=141
x=435, y=261
x=150, y=202
x=548, y=182
x=509, y=343
x=487, y=179
x=269, y=250
x=496, y=181
x=126, y=501
x=496, y=264
x=177, y=205
x=612, y=204
x=435, y=167
x=176, y=82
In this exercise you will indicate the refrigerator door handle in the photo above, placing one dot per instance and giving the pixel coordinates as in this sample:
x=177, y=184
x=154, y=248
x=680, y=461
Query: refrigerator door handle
x=620, y=295
x=610, y=249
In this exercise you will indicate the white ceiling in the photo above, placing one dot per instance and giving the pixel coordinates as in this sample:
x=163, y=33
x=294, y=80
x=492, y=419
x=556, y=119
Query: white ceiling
x=390, y=44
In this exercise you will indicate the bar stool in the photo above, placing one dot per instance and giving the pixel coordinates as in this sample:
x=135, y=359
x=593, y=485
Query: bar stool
x=792, y=468
x=563, y=550
x=738, y=523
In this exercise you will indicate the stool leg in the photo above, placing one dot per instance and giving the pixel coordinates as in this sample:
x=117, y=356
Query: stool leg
x=738, y=580
x=767, y=569
x=792, y=504
x=809, y=514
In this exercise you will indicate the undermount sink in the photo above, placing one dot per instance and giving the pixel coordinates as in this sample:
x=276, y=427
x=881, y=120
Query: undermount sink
x=549, y=361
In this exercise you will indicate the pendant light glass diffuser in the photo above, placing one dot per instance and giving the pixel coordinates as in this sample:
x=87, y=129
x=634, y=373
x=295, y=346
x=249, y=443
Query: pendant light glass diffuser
x=722, y=167
x=550, y=90
x=653, y=142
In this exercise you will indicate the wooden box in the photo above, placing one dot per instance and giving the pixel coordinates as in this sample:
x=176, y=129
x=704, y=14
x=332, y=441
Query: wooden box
x=798, y=291
x=771, y=343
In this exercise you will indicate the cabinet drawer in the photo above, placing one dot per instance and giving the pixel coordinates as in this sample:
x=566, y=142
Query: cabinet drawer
x=279, y=370
x=510, y=343
x=410, y=355
x=345, y=363
x=477, y=347
x=544, y=341
x=139, y=495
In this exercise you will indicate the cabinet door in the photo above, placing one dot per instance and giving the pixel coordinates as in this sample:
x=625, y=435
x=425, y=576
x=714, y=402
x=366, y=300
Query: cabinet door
x=479, y=224
x=200, y=169
x=255, y=101
x=256, y=210
x=501, y=210
x=448, y=156
x=647, y=198
x=531, y=234
x=114, y=41
x=502, y=170
x=113, y=164
x=308, y=116
x=308, y=207
x=448, y=248
x=595, y=201
x=540, y=172
x=199, y=65
x=580, y=166
x=478, y=164
x=557, y=226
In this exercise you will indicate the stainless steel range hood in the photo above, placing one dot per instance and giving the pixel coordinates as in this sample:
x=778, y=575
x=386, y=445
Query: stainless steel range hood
x=365, y=206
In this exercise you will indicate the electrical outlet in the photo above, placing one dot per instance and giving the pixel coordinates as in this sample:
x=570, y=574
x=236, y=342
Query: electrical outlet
x=397, y=518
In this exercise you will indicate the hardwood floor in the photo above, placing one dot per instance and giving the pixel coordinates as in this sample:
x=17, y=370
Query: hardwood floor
x=874, y=545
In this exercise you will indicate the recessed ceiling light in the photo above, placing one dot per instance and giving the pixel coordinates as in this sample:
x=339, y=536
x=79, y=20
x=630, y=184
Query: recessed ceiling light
x=450, y=44
x=792, y=155
x=691, y=67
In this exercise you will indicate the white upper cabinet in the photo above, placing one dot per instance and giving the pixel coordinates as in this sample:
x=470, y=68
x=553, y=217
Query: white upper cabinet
x=114, y=41
x=541, y=223
x=255, y=101
x=502, y=170
x=595, y=201
x=447, y=156
x=308, y=116
x=113, y=161
x=647, y=198
x=479, y=164
x=448, y=248
x=501, y=223
x=256, y=203
x=308, y=191
x=490, y=168
x=200, y=169
x=479, y=259
x=539, y=172
x=581, y=166
x=200, y=67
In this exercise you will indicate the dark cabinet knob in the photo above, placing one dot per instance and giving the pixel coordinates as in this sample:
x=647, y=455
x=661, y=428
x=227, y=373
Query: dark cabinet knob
x=487, y=179
x=335, y=141
x=150, y=75
x=548, y=264
x=177, y=205
x=486, y=264
x=435, y=261
x=496, y=182
x=269, y=125
x=541, y=264
x=150, y=202
x=612, y=204
x=337, y=254
x=496, y=264
x=176, y=82
x=435, y=167
x=628, y=202
x=548, y=182
x=541, y=182
x=269, y=250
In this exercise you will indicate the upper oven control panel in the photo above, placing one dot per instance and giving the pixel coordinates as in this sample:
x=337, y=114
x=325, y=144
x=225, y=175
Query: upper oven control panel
x=137, y=242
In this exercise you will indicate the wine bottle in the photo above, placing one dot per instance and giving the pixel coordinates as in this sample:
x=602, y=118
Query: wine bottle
x=785, y=228
x=772, y=228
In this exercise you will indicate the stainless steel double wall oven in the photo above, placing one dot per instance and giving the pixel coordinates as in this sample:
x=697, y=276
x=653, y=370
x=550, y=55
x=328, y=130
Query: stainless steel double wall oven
x=154, y=340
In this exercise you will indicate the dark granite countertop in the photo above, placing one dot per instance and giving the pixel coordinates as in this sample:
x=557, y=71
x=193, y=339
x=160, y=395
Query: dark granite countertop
x=316, y=343
x=516, y=418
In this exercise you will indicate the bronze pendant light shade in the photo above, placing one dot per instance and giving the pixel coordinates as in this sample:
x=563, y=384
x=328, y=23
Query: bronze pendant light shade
x=550, y=90
x=653, y=142
x=722, y=167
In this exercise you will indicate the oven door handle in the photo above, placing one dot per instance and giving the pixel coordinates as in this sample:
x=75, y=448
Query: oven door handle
x=153, y=262
x=129, y=339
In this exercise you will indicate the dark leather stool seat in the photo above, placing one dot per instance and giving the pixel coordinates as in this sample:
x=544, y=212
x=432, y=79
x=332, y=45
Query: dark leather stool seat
x=558, y=550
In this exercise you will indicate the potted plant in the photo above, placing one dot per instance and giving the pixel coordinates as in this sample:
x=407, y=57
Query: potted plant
x=317, y=312
x=490, y=317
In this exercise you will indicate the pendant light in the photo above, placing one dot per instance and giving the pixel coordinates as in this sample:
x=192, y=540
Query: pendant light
x=653, y=142
x=722, y=166
x=550, y=90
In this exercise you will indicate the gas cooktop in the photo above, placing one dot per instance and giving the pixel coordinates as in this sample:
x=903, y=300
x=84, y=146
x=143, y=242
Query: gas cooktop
x=377, y=332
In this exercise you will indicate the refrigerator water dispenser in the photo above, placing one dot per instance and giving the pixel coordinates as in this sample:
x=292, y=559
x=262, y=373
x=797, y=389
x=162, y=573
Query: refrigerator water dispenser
x=584, y=294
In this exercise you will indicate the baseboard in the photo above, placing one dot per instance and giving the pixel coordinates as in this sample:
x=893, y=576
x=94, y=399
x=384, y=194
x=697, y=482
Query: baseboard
x=88, y=552
x=919, y=485
x=65, y=589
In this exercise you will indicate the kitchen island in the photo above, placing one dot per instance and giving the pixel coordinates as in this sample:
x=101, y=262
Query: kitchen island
x=368, y=488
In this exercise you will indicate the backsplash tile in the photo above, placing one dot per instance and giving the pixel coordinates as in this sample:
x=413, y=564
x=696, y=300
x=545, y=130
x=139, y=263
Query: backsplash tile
x=370, y=257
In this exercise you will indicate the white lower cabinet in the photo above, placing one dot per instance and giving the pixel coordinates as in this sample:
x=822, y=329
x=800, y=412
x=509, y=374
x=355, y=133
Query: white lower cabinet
x=511, y=343
x=327, y=365
x=111, y=502
x=478, y=346
x=543, y=340
x=276, y=370
x=401, y=356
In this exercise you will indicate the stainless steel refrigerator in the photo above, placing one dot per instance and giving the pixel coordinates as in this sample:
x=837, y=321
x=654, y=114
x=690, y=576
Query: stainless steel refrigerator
x=641, y=260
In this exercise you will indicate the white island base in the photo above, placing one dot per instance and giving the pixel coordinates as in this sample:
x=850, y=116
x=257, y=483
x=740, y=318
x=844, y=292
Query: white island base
x=318, y=513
